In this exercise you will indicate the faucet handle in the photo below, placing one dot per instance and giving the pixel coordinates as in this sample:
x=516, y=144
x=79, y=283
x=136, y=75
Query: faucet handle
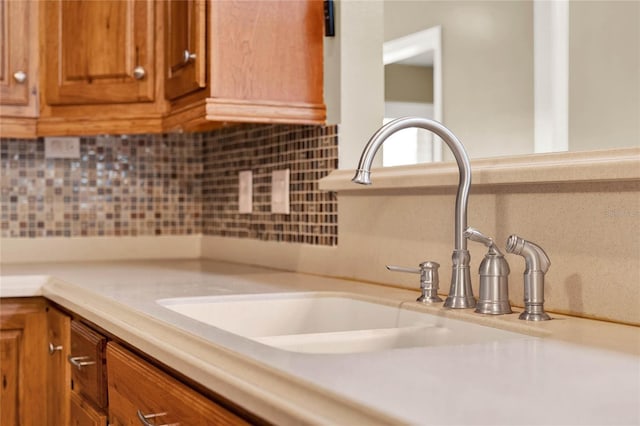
x=429, y=280
x=477, y=236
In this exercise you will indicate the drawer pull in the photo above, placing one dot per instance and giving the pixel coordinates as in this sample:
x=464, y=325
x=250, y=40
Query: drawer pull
x=144, y=419
x=79, y=361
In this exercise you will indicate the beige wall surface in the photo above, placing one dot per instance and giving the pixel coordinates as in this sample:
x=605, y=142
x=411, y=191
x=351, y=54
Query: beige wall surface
x=588, y=223
x=487, y=55
x=604, y=74
x=408, y=83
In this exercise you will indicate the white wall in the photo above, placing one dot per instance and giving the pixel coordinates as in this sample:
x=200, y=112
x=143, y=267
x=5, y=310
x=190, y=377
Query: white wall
x=487, y=49
x=604, y=74
x=354, y=76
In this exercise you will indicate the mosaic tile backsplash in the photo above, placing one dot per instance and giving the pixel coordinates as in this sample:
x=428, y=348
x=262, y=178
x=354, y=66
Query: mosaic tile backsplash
x=171, y=184
x=309, y=152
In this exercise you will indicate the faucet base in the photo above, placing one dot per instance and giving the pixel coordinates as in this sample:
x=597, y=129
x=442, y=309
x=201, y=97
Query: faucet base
x=534, y=316
x=460, y=302
x=461, y=293
x=489, y=307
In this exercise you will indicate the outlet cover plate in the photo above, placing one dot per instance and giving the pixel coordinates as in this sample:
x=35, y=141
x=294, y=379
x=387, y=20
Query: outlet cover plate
x=62, y=147
x=245, y=191
x=280, y=191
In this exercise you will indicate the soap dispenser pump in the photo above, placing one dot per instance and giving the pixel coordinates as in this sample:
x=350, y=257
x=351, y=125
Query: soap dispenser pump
x=494, y=277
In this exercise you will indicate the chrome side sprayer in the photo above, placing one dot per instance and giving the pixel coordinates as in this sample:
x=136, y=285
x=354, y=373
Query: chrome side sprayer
x=537, y=264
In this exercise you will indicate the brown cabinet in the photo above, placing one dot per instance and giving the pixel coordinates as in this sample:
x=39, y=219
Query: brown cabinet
x=23, y=362
x=184, y=47
x=266, y=61
x=18, y=67
x=88, y=375
x=99, y=52
x=140, y=392
x=144, y=66
x=59, y=375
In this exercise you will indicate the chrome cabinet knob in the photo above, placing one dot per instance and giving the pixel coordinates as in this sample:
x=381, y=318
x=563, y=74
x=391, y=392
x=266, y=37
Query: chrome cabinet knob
x=139, y=73
x=188, y=56
x=20, y=76
x=53, y=348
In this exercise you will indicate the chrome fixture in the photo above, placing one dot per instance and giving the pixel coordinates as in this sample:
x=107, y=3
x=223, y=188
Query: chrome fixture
x=188, y=57
x=429, y=280
x=494, y=277
x=20, y=76
x=53, y=348
x=139, y=73
x=536, y=265
x=461, y=293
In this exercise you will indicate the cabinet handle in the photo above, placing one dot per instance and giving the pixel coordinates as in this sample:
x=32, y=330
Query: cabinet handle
x=188, y=56
x=139, y=73
x=144, y=419
x=20, y=76
x=53, y=348
x=78, y=361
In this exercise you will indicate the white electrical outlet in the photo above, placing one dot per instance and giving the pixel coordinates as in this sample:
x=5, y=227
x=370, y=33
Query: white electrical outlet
x=245, y=191
x=280, y=191
x=62, y=147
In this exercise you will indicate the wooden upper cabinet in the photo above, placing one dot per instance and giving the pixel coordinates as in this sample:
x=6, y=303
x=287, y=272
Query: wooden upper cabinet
x=266, y=61
x=184, y=47
x=99, y=51
x=18, y=58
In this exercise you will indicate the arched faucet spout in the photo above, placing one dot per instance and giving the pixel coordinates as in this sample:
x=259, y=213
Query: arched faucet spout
x=461, y=294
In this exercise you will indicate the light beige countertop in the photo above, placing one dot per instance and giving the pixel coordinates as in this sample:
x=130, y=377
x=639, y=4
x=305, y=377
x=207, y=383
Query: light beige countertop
x=566, y=371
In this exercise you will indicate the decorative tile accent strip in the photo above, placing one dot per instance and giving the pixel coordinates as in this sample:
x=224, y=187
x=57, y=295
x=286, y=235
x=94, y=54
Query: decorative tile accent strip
x=120, y=185
x=172, y=184
x=309, y=152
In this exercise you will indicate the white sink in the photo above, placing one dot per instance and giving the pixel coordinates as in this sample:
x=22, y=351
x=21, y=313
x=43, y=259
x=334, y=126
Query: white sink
x=330, y=322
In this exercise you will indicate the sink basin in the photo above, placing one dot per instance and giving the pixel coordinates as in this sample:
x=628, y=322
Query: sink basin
x=330, y=322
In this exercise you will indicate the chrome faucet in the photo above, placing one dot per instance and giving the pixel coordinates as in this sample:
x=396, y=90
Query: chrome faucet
x=537, y=264
x=461, y=293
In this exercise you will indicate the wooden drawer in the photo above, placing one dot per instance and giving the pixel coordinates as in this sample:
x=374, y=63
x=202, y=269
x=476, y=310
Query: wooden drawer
x=83, y=414
x=137, y=388
x=87, y=359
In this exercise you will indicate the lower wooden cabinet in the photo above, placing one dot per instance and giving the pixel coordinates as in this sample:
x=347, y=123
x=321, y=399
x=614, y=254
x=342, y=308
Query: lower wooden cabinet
x=32, y=367
x=55, y=371
x=88, y=385
x=139, y=393
x=59, y=375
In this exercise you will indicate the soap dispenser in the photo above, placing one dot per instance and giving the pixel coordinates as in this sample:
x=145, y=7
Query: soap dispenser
x=494, y=277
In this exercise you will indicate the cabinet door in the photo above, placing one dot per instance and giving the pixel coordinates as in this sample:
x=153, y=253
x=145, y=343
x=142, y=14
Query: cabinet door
x=88, y=375
x=99, y=51
x=266, y=61
x=58, y=327
x=185, y=57
x=18, y=58
x=138, y=390
x=23, y=362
